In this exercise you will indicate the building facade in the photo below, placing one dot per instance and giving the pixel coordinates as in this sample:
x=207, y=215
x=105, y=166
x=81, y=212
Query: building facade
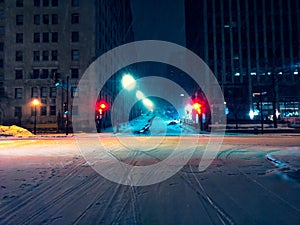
x=43, y=38
x=253, y=47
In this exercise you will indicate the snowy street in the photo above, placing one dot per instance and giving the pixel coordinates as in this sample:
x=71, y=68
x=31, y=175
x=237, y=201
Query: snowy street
x=47, y=181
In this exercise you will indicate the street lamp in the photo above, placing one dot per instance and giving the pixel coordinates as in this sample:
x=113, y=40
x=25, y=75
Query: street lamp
x=35, y=102
x=128, y=82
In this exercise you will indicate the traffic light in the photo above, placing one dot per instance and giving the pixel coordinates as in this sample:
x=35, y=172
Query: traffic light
x=198, y=107
x=66, y=111
x=101, y=107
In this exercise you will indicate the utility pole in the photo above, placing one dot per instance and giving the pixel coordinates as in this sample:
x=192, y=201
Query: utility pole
x=67, y=114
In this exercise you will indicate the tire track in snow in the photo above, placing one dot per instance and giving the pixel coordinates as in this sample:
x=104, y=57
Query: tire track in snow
x=202, y=194
x=31, y=197
x=228, y=156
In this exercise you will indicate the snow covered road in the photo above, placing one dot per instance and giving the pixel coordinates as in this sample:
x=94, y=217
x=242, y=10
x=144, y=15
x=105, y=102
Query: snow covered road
x=47, y=181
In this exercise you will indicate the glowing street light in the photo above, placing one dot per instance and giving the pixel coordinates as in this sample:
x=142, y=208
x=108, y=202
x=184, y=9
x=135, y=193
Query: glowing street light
x=128, y=82
x=35, y=102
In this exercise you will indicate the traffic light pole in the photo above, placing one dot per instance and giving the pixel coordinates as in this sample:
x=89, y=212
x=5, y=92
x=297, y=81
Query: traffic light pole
x=261, y=113
x=67, y=105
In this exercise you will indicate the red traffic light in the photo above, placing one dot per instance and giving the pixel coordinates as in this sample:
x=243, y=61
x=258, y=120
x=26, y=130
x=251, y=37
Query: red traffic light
x=197, y=105
x=102, y=106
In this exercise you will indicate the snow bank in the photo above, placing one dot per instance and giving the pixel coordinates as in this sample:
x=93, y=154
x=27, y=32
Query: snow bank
x=14, y=131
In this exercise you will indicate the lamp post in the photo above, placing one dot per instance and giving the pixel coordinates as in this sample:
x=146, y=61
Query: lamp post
x=35, y=102
x=260, y=94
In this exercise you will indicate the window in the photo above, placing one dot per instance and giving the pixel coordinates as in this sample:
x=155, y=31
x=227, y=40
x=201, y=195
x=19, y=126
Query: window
x=74, y=92
x=52, y=110
x=75, y=36
x=1, y=46
x=19, y=19
x=54, y=3
x=54, y=19
x=35, y=74
x=37, y=3
x=75, y=18
x=37, y=19
x=45, y=55
x=75, y=55
x=19, y=74
x=54, y=55
x=2, y=30
x=1, y=64
x=54, y=37
x=19, y=56
x=18, y=111
x=45, y=75
x=75, y=3
x=45, y=37
x=53, y=92
x=19, y=3
x=46, y=19
x=36, y=56
x=74, y=73
x=19, y=37
x=36, y=37
x=43, y=110
x=43, y=92
x=18, y=93
x=34, y=92
x=45, y=3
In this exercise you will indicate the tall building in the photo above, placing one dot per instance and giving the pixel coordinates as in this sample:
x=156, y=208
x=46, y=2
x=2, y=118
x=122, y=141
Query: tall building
x=2, y=28
x=43, y=38
x=253, y=47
